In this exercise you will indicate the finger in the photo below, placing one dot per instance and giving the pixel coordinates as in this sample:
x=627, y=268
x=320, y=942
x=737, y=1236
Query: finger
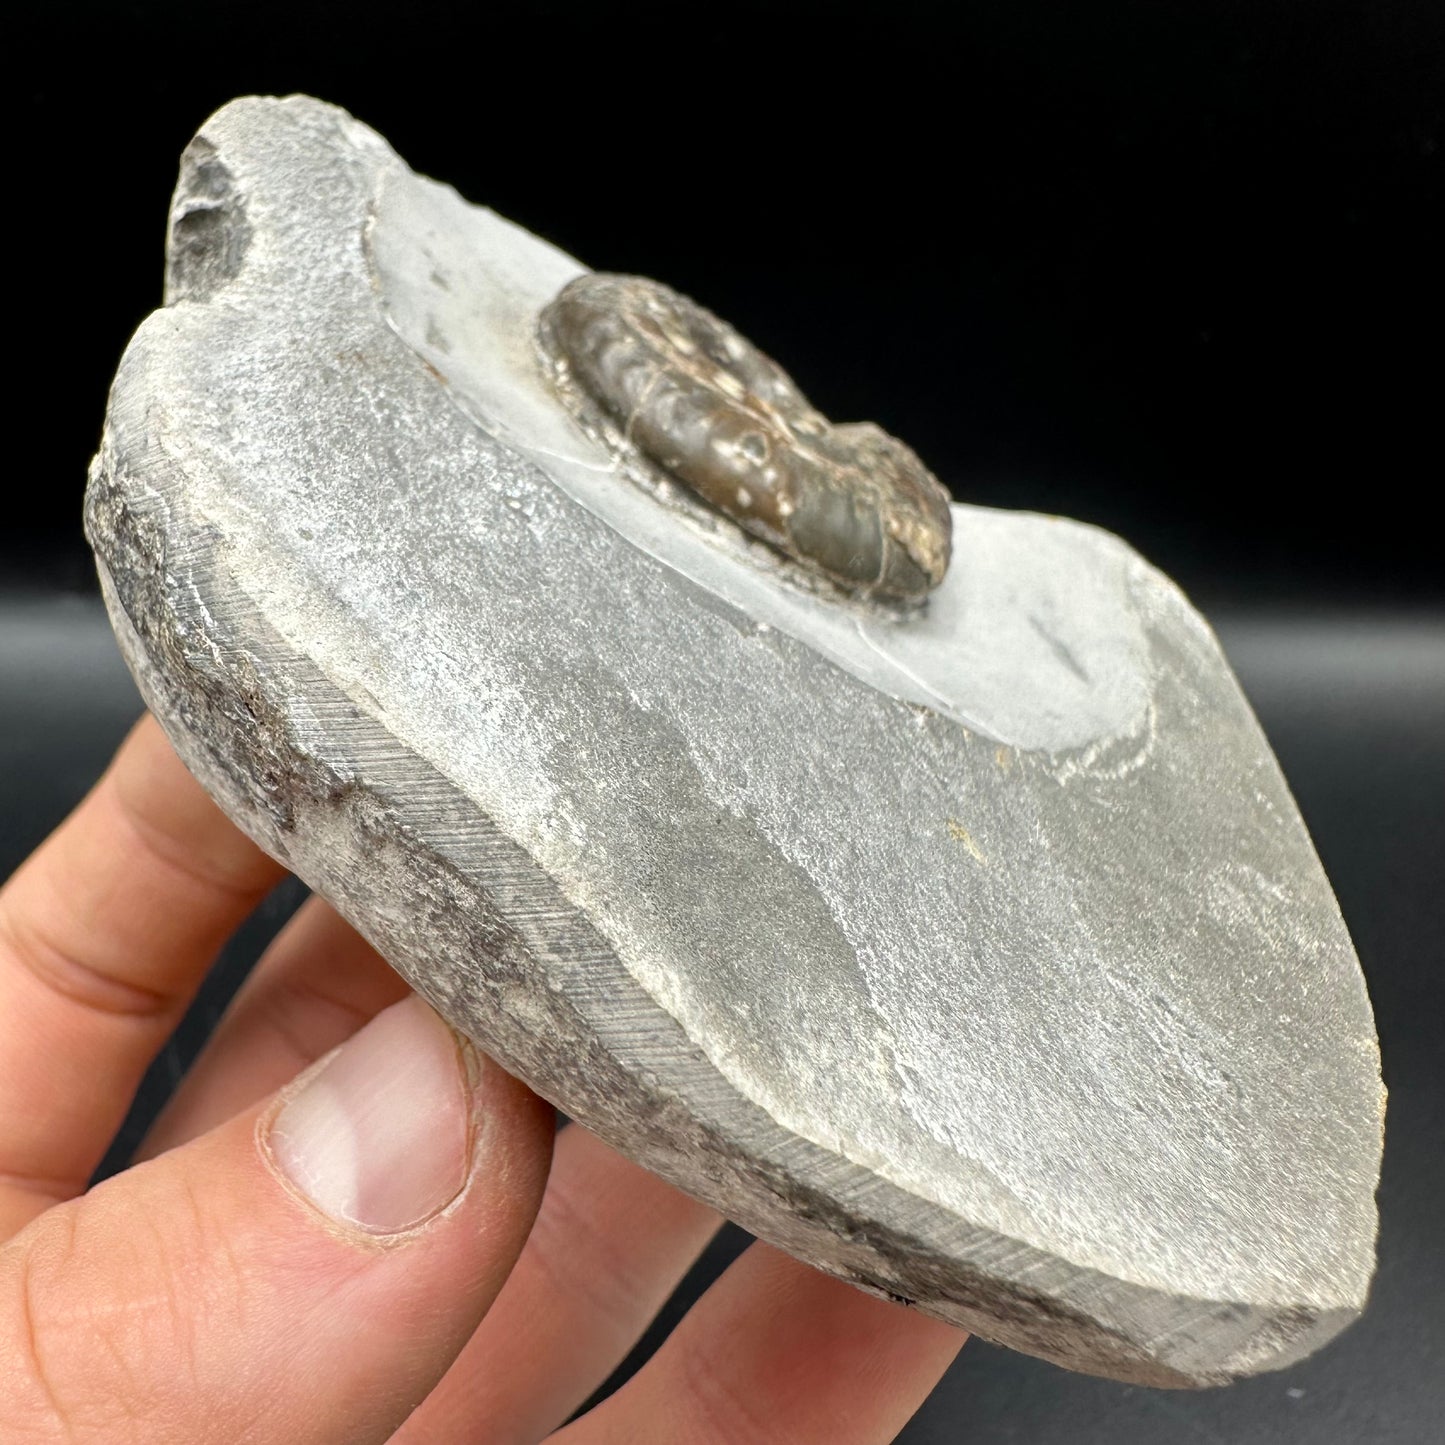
x=610, y=1244
x=304, y=1273
x=316, y=985
x=104, y=934
x=776, y=1352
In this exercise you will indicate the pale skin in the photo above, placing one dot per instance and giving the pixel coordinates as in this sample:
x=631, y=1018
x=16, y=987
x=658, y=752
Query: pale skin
x=381, y=1243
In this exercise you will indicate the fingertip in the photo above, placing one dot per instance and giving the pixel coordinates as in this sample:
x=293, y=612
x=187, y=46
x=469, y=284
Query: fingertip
x=380, y=1135
x=343, y=1240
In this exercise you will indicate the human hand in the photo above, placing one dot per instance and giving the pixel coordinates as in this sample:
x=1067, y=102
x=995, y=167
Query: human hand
x=370, y=1247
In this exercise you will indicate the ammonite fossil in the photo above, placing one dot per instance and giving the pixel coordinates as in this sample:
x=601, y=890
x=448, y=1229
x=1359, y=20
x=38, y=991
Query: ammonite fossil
x=848, y=501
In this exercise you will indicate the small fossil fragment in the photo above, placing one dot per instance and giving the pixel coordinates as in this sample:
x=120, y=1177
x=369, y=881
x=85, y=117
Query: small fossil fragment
x=697, y=399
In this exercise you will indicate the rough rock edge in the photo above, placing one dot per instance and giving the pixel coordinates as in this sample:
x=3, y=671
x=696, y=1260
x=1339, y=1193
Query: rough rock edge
x=220, y=683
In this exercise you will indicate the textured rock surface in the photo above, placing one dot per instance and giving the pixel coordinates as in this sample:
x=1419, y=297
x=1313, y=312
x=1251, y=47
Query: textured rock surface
x=980, y=957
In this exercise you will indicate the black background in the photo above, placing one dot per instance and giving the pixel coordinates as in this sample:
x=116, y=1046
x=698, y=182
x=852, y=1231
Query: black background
x=1172, y=268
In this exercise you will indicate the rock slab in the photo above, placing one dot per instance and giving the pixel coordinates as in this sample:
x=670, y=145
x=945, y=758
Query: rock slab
x=978, y=956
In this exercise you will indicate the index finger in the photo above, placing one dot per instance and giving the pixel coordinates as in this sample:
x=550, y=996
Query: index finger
x=105, y=933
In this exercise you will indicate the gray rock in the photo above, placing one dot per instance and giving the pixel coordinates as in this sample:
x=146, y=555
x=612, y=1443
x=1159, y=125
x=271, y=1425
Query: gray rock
x=977, y=956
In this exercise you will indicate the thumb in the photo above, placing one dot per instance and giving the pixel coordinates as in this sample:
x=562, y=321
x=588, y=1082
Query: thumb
x=305, y=1272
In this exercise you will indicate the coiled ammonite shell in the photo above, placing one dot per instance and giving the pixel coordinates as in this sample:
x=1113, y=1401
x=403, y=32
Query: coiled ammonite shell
x=848, y=501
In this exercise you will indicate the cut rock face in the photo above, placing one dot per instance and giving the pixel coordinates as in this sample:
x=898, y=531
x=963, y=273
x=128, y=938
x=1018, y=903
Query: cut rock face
x=978, y=956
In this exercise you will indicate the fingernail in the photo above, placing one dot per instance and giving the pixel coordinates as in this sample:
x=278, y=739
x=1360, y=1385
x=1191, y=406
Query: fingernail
x=381, y=1137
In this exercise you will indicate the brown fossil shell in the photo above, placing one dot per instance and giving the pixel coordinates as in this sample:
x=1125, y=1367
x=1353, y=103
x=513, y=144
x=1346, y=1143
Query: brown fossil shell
x=848, y=501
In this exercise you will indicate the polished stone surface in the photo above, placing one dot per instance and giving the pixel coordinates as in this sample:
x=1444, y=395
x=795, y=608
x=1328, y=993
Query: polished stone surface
x=981, y=958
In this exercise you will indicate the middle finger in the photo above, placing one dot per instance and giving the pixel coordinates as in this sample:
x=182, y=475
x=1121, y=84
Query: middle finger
x=104, y=935
x=610, y=1244
x=777, y=1352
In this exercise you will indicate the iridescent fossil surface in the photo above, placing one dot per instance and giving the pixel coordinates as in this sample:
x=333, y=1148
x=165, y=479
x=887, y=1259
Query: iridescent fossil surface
x=974, y=951
x=683, y=391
